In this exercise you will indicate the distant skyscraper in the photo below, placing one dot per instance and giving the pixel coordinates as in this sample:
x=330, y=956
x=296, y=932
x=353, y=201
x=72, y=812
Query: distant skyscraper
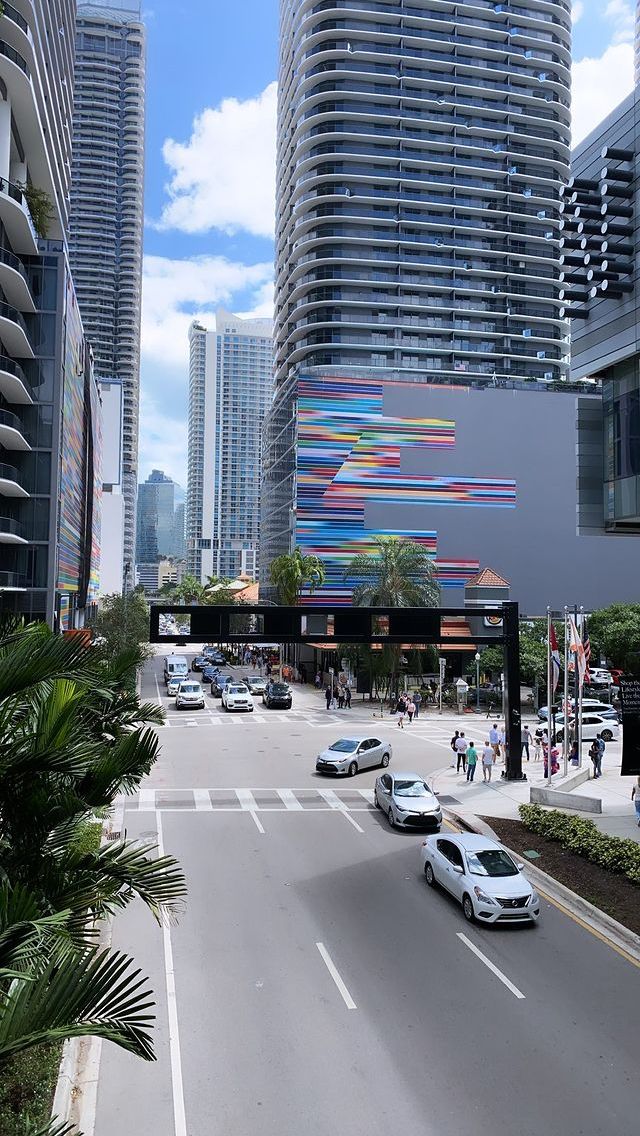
x=157, y=524
x=229, y=392
x=637, y=44
x=107, y=209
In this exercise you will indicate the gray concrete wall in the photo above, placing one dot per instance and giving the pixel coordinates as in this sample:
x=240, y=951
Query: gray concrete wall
x=528, y=436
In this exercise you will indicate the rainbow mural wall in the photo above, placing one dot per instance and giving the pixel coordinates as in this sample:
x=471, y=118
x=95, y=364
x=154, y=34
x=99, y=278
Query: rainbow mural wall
x=349, y=454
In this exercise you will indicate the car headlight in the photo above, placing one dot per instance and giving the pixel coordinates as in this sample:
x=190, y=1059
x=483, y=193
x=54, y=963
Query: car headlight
x=483, y=897
x=534, y=898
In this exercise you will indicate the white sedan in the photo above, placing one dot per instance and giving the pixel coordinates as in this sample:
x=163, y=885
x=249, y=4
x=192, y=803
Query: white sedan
x=592, y=725
x=482, y=876
x=236, y=696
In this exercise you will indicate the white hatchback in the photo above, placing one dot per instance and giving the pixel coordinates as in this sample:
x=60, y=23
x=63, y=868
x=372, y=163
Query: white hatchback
x=482, y=876
x=236, y=696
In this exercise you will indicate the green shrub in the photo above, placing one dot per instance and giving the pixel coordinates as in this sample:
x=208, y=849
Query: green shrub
x=585, y=839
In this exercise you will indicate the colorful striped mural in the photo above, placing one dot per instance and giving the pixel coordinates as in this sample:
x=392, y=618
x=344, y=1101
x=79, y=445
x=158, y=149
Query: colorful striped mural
x=350, y=453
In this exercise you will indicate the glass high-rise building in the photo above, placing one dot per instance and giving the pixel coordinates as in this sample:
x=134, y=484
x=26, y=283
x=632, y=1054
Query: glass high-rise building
x=421, y=146
x=157, y=525
x=230, y=383
x=106, y=217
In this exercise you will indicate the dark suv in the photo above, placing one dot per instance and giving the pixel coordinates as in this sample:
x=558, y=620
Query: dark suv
x=277, y=694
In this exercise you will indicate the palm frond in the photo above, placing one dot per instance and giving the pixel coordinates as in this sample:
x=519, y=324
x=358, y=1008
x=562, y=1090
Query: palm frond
x=53, y=1127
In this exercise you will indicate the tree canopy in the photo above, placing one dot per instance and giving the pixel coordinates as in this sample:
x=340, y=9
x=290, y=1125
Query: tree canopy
x=293, y=571
x=397, y=573
x=615, y=634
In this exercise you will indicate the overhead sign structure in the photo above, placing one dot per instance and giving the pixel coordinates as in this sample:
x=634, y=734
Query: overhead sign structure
x=630, y=702
x=319, y=624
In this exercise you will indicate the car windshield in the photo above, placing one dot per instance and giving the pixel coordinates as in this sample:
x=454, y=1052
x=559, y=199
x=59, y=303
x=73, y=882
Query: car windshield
x=238, y=690
x=491, y=862
x=279, y=688
x=189, y=687
x=410, y=788
x=345, y=745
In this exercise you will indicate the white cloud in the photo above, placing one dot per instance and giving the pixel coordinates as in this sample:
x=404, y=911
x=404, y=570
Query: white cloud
x=174, y=292
x=163, y=439
x=598, y=86
x=224, y=176
x=577, y=10
x=622, y=16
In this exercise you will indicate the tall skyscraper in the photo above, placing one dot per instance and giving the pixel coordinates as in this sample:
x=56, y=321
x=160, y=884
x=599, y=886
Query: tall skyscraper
x=229, y=392
x=106, y=218
x=49, y=405
x=158, y=527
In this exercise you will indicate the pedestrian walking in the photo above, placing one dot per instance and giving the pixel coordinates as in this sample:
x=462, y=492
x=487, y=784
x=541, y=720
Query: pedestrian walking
x=318, y=680
x=487, y=760
x=347, y=697
x=574, y=753
x=411, y=709
x=494, y=738
x=417, y=702
x=472, y=761
x=461, y=752
x=452, y=743
x=594, y=754
x=601, y=748
x=401, y=714
x=328, y=695
x=502, y=743
x=341, y=697
x=526, y=740
x=303, y=674
x=635, y=797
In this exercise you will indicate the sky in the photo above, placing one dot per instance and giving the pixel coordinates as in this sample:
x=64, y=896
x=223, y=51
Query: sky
x=210, y=173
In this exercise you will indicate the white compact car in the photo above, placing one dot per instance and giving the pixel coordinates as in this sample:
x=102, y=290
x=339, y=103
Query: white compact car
x=236, y=696
x=173, y=685
x=190, y=695
x=482, y=876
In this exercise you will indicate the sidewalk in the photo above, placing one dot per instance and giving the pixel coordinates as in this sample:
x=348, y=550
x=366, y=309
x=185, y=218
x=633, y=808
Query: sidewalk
x=501, y=798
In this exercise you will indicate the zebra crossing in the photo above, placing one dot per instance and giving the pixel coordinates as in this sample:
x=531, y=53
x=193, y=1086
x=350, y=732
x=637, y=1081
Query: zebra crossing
x=252, y=800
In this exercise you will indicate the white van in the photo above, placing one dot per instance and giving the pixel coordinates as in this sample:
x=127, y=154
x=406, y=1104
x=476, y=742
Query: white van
x=175, y=666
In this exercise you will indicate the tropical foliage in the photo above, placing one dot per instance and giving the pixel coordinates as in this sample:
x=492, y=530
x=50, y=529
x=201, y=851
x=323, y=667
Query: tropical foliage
x=398, y=573
x=292, y=572
x=615, y=635
x=73, y=737
x=122, y=622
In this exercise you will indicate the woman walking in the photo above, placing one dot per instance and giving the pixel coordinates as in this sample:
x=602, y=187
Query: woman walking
x=635, y=797
x=411, y=709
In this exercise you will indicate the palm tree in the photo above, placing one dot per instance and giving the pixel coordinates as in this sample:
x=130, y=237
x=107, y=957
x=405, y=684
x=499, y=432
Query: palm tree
x=189, y=590
x=398, y=573
x=291, y=572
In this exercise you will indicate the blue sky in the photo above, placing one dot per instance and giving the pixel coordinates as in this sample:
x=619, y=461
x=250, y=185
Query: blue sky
x=211, y=95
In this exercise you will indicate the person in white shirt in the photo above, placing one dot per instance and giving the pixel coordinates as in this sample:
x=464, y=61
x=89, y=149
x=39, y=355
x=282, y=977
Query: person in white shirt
x=494, y=738
x=488, y=758
x=461, y=753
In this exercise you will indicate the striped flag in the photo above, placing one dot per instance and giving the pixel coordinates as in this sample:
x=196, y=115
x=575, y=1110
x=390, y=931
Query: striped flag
x=587, y=649
x=555, y=658
x=576, y=646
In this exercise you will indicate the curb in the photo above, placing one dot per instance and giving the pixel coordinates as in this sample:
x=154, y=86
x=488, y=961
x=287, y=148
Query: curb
x=615, y=933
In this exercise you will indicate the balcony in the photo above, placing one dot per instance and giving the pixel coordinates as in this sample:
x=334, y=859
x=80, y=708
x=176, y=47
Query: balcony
x=11, y=432
x=11, y=531
x=15, y=216
x=14, y=384
x=10, y=483
x=13, y=332
x=12, y=582
x=14, y=281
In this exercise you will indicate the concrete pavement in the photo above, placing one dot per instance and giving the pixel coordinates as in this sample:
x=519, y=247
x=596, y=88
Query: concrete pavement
x=397, y=1022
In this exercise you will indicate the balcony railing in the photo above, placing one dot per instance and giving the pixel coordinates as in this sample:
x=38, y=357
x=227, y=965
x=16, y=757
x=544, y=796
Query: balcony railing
x=12, y=14
x=15, y=57
x=13, y=314
x=11, y=527
x=8, y=472
x=11, y=420
x=13, y=261
x=12, y=580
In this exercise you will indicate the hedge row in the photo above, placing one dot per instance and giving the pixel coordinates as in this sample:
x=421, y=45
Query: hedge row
x=585, y=838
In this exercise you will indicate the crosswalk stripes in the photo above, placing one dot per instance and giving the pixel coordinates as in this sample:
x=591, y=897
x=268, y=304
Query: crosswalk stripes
x=253, y=800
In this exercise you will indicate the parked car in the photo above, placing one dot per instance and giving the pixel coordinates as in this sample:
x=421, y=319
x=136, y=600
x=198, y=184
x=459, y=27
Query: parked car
x=277, y=694
x=349, y=755
x=593, y=705
x=218, y=684
x=256, y=684
x=173, y=684
x=199, y=663
x=209, y=672
x=592, y=725
x=236, y=696
x=407, y=801
x=190, y=695
x=599, y=677
x=482, y=876
x=601, y=708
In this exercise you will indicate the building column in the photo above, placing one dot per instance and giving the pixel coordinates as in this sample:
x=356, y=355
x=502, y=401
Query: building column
x=5, y=138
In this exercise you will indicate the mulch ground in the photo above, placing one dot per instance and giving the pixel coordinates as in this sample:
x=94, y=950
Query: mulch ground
x=611, y=892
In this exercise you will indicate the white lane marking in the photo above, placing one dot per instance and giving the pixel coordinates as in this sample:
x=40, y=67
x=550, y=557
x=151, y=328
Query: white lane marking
x=146, y=800
x=158, y=691
x=179, y=1114
x=258, y=824
x=288, y=798
x=202, y=800
x=331, y=967
x=331, y=798
x=492, y=967
x=259, y=718
x=348, y=817
x=367, y=794
x=247, y=799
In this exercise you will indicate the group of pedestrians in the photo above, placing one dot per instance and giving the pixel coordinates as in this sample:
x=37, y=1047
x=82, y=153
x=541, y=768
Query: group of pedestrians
x=467, y=756
x=338, y=698
x=408, y=705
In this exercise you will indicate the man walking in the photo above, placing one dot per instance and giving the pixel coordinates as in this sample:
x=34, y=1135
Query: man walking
x=494, y=738
x=526, y=739
x=472, y=761
x=461, y=752
x=328, y=695
x=347, y=697
x=601, y=748
x=487, y=761
x=417, y=702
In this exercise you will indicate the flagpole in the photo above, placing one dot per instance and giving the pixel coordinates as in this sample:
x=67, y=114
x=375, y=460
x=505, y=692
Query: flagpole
x=580, y=685
x=549, y=696
x=576, y=695
x=565, y=732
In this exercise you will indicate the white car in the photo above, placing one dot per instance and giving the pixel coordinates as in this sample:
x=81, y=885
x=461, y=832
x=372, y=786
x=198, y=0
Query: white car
x=173, y=685
x=482, y=876
x=407, y=801
x=592, y=725
x=348, y=755
x=236, y=696
x=190, y=694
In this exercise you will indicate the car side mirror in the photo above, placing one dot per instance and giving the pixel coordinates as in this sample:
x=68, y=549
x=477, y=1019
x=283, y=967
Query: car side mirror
x=458, y=869
x=520, y=867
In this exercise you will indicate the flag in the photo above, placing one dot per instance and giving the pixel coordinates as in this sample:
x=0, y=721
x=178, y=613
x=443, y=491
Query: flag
x=587, y=650
x=555, y=658
x=577, y=647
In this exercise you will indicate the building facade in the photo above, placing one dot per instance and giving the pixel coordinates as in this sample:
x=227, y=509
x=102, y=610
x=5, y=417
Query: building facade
x=229, y=392
x=603, y=297
x=159, y=521
x=50, y=414
x=106, y=217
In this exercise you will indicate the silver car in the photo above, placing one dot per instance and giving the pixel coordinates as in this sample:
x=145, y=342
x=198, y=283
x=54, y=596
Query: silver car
x=482, y=876
x=349, y=755
x=190, y=694
x=407, y=801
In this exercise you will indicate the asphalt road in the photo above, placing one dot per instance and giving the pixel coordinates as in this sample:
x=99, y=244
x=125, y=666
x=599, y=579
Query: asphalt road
x=319, y=984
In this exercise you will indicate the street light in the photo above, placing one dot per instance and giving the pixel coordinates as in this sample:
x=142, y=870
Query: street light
x=478, y=682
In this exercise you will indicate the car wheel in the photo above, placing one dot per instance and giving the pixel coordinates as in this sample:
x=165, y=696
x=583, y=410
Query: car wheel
x=385, y=760
x=606, y=735
x=428, y=875
x=467, y=908
x=353, y=769
x=391, y=819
